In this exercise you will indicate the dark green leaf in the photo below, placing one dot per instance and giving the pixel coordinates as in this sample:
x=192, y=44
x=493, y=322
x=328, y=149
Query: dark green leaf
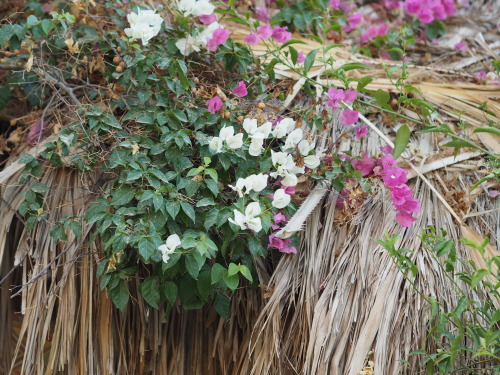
x=188, y=210
x=147, y=248
x=222, y=305
x=308, y=63
x=401, y=140
x=119, y=295
x=150, y=291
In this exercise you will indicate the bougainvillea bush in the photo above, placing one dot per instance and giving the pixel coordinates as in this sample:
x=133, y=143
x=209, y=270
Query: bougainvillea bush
x=203, y=171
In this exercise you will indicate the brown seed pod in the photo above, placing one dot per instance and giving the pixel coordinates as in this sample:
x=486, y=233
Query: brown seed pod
x=227, y=114
x=116, y=60
x=13, y=122
x=119, y=69
x=240, y=118
x=261, y=105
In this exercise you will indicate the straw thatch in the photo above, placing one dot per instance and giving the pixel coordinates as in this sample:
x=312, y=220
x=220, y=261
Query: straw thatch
x=331, y=309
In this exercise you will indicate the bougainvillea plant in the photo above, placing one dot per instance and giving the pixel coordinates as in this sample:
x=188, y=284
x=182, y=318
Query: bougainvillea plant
x=205, y=172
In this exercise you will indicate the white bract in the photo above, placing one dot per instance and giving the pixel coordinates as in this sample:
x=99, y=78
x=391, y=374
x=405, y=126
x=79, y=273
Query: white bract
x=305, y=147
x=232, y=141
x=311, y=161
x=283, y=127
x=285, y=167
x=293, y=138
x=280, y=199
x=248, y=220
x=196, y=7
x=256, y=182
x=187, y=45
x=144, y=25
x=173, y=241
x=216, y=144
x=256, y=146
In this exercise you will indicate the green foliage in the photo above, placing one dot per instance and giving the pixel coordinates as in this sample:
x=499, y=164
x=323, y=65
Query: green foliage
x=466, y=334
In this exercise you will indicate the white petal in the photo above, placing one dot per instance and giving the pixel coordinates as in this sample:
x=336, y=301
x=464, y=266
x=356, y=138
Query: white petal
x=236, y=141
x=281, y=199
x=305, y=147
x=256, y=146
x=255, y=224
x=216, y=144
x=250, y=125
x=252, y=210
x=311, y=161
x=173, y=241
x=226, y=133
x=290, y=180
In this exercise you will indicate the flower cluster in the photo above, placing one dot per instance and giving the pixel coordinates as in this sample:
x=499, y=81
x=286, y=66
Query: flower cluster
x=395, y=179
x=336, y=96
x=144, y=25
x=428, y=11
x=374, y=31
x=228, y=138
x=278, y=33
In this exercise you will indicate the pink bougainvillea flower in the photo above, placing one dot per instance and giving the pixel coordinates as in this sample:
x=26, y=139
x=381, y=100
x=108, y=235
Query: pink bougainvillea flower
x=335, y=4
x=481, y=75
x=281, y=35
x=344, y=157
x=405, y=219
x=348, y=117
x=449, y=7
x=400, y=194
x=353, y=20
x=494, y=193
x=387, y=150
x=328, y=159
x=251, y=39
x=361, y=131
x=425, y=15
x=282, y=245
x=412, y=6
x=36, y=132
x=241, y=89
x=207, y=19
x=301, y=58
x=369, y=34
x=334, y=97
x=265, y=31
x=392, y=4
x=261, y=14
x=288, y=189
x=387, y=162
x=219, y=37
x=365, y=165
x=395, y=177
x=439, y=12
x=278, y=218
x=460, y=46
x=214, y=104
x=350, y=96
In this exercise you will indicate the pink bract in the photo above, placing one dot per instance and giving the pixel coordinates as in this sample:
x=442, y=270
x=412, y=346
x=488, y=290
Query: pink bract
x=241, y=89
x=214, y=104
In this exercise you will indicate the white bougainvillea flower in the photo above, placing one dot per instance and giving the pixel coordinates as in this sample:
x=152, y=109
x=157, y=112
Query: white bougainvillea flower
x=216, y=144
x=207, y=34
x=284, y=127
x=305, y=147
x=293, y=139
x=249, y=219
x=280, y=199
x=196, y=7
x=289, y=179
x=236, y=141
x=187, y=45
x=226, y=133
x=250, y=125
x=240, y=185
x=256, y=146
x=263, y=131
x=279, y=158
x=173, y=242
x=144, y=25
x=312, y=161
x=256, y=182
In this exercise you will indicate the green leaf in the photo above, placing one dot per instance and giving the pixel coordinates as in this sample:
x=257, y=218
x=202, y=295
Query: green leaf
x=134, y=175
x=204, y=285
x=181, y=116
x=170, y=290
x=25, y=159
x=150, y=291
x=222, y=305
x=119, y=295
x=382, y=98
x=292, y=41
x=478, y=276
x=147, y=248
x=212, y=185
x=401, y=141
x=58, y=233
x=218, y=272
x=255, y=247
x=487, y=129
x=233, y=269
x=246, y=272
x=188, y=210
x=205, y=202
x=211, y=218
x=192, y=266
x=6, y=33
x=173, y=208
x=294, y=54
x=76, y=228
x=38, y=187
x=47, y=26
x=4, y=96
x=353, y=66
x=309, y=61
x=123, y=196
x=32, y=21
x=212, y=173
x=232, y=281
